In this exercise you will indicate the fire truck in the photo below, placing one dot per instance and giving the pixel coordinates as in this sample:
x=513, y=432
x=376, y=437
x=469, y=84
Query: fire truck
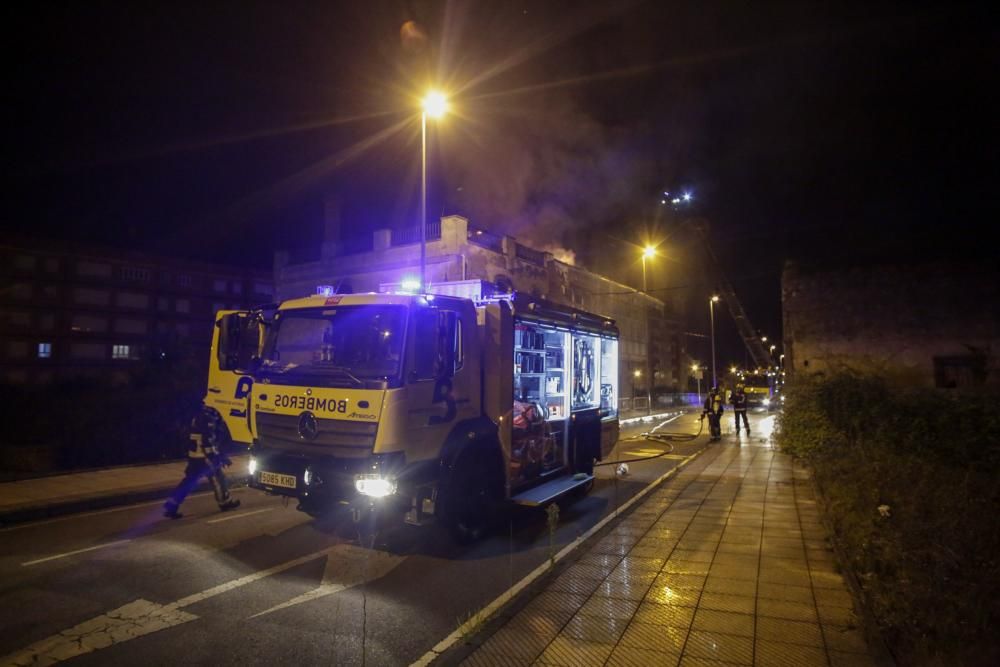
x=445, y=405
x=757, y=386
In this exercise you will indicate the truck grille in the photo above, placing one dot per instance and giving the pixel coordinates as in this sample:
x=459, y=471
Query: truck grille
x=334, y=437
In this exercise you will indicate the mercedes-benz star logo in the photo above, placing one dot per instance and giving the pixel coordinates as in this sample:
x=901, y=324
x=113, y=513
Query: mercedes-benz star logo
x=308, y=428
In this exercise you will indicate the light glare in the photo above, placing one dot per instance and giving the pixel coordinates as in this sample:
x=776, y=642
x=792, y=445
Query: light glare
x=376, y=487
x=435, y=104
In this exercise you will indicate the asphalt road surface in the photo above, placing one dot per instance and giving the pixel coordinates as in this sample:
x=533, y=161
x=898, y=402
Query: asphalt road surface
x=267, y=583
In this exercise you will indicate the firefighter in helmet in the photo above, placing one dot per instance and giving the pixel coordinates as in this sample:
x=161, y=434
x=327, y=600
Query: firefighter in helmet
x=740, y=408
x=713, y=410
x=204, y=460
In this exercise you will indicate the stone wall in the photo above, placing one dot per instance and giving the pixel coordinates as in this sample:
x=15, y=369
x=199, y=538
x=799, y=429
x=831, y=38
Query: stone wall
x=925, y=325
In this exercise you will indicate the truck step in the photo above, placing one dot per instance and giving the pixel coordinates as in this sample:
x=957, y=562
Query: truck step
x=550, y=491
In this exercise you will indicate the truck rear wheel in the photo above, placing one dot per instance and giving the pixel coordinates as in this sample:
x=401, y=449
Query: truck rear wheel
x=472, y=498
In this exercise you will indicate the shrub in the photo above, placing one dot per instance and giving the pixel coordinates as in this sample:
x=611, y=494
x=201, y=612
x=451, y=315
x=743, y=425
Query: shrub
x=929, y=561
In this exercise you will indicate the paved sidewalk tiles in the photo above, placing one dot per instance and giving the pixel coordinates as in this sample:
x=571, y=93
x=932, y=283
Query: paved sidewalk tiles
x=725, y=564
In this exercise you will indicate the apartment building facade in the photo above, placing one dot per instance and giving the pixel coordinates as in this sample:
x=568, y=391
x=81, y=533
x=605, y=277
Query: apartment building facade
x=68, y=311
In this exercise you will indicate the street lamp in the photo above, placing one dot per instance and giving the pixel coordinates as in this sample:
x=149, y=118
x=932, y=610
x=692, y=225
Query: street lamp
x=636, y=374
x=711, y=312
x=435, y=105
x=647, y=253
x=696, y=369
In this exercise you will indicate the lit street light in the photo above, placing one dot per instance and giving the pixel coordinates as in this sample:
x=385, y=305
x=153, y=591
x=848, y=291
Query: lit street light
x=435, y=105
x=647, y=253
x=711, y=312
x=696, y=369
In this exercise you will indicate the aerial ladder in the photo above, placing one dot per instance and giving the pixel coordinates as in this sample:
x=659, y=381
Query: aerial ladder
x=754, y=345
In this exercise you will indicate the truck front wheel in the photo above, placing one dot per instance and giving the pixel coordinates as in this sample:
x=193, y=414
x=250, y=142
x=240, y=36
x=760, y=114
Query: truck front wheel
x=472, y=498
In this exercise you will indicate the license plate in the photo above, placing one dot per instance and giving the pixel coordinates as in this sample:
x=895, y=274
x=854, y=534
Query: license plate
x=274, y=479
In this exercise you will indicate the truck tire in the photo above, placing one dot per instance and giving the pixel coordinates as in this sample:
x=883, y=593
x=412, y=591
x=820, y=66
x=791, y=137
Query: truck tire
x=472, y=497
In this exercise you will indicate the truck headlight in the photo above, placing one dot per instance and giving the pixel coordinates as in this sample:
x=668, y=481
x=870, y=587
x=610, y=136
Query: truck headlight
x=766, y=402
x=252, y=466
x=374, y=486
x=307, y=476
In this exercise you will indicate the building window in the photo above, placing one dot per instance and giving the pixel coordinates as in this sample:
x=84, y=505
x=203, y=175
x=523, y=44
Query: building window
x=129, y=326
x=121, y=352
x=18, y=319
x=91, y=297
x=93, y=270
x=262, y=289
x=182, y=306
x=135, y=274
x=47, y=322
x=44, y=350
x=17, y=349
x=88, y=324
x=51, y=264
x=184, y=280
x=162, y=304
x=91, y=351
x=20, y=290
x=219, y=285
x=132, y=300
x=237, y=287
x=24, y=262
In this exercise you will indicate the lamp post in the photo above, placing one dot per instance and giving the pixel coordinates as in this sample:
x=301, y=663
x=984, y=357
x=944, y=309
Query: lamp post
x=711, y=313
x=435, y=105
x=697, y=376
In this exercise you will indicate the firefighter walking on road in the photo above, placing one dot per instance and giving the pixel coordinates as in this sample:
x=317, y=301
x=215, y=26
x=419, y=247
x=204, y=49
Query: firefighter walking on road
x=740, y=408
x=204, y=460
x=713, y=409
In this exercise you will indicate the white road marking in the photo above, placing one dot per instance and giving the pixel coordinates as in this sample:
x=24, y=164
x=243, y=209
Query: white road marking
x=356, y=566
x=142, y=617
x=239, y=516
x=486, y=612
x=644, y=452
x=73, y=553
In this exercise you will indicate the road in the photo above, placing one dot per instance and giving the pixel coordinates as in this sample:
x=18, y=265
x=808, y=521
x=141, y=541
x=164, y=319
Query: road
x=269, y=583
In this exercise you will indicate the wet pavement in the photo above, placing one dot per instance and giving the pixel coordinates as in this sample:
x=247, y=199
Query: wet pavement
x=726, y=563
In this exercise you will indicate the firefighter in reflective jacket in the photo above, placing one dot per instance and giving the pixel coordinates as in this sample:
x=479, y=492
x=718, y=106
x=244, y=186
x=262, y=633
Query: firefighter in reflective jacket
x=740, y=408
x=713, y=409
x=204, y=460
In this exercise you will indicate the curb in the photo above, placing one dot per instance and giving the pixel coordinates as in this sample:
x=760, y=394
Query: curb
x=451, y=650
x=64, y=508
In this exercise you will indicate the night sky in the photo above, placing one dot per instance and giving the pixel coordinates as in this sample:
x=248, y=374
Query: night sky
x=813, y=131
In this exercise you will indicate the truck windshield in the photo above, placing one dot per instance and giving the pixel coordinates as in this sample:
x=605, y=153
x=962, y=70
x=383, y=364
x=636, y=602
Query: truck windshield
x=344, y=346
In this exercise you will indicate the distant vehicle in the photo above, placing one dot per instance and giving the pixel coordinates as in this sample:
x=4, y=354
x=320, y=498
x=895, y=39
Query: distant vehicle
x=758, y=390
x=442, y=406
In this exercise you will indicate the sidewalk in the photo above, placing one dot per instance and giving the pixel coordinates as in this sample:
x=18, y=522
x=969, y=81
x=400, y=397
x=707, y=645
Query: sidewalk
x=725, y=564
x=43, y=497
